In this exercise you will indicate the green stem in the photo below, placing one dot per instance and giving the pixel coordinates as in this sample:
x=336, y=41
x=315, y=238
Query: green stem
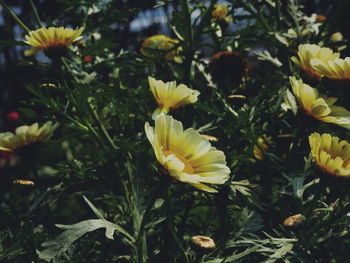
x=19, y=21
x=188, y=41
x=92, y=110
x=101, y=126
x=141, y=238
x=278, y=14
x=170, y=220
x=226, y=104
x=36, y=15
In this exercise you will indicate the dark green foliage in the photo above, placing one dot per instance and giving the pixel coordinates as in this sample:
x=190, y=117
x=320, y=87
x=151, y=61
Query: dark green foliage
x=100, y=149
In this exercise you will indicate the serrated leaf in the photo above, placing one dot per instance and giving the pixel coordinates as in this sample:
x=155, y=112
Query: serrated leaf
x=62, y=242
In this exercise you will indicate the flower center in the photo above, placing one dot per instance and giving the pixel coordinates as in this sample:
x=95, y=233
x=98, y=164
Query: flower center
x=188, y=167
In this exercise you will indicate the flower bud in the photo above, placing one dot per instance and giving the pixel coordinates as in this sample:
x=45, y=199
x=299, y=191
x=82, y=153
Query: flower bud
x=203, y=242
x=294, y=221
x=336, y=37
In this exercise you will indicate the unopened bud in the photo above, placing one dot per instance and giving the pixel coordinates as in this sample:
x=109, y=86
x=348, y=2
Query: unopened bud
x=23, y=182
x=294, y=221
x=203, y=242
x=336, y=37
x=209, y=137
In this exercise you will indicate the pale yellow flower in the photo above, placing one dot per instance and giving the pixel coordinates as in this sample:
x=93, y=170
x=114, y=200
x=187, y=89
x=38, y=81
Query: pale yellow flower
x=307, y=52
x=170, y=96
x=330, y=155
x=318, y=105
x=25, y=135
x=334, y=69
x=185, y=155
x=161, y=45
x=45, y=38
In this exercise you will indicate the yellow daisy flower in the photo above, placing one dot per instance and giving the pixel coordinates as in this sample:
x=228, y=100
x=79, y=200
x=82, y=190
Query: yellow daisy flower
x=52, y=37
x=307, y=52
x=159, y=45
x=330, y=155
x=220, y=12
x=25, y=135
x=170, y=96
x=185, y=155
x=334, y=69
x=318, y=105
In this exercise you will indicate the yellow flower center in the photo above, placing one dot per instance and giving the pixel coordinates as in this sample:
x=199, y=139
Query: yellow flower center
x=188, y=167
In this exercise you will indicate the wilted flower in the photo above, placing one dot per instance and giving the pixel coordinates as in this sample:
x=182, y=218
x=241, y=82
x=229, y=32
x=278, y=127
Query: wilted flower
x=203, y=242
x=261, y=147
x=228, y=66
x=220, y=12
x=170, y=96
x=26, y=135
x=330, y=155
x=338, y=69
x=55, y=38
x=318, y=105
x=161, y=45
x=307, y=52
x=185, y=155
x=294, y=221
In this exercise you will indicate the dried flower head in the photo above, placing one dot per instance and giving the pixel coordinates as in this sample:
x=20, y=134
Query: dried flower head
x=294, y=221
x=318, y=105
x=308, y=52
x=185, y=155
x=330, y=155
x=52, y=40
x=171, y=96
x=229, y=67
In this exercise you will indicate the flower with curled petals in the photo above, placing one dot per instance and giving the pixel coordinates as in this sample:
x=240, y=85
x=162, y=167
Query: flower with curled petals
x=25, y=135
x=330, y=155
x=54, y=38
x=170, y=96
x=307, y=52
x=318, y=105
x=338, y=69
x=185, y=155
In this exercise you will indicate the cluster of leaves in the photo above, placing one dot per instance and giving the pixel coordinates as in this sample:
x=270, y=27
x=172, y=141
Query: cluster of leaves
x=100, y=150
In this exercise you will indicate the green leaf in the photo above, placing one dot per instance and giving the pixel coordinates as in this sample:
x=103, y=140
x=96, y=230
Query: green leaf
x=62, y=242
